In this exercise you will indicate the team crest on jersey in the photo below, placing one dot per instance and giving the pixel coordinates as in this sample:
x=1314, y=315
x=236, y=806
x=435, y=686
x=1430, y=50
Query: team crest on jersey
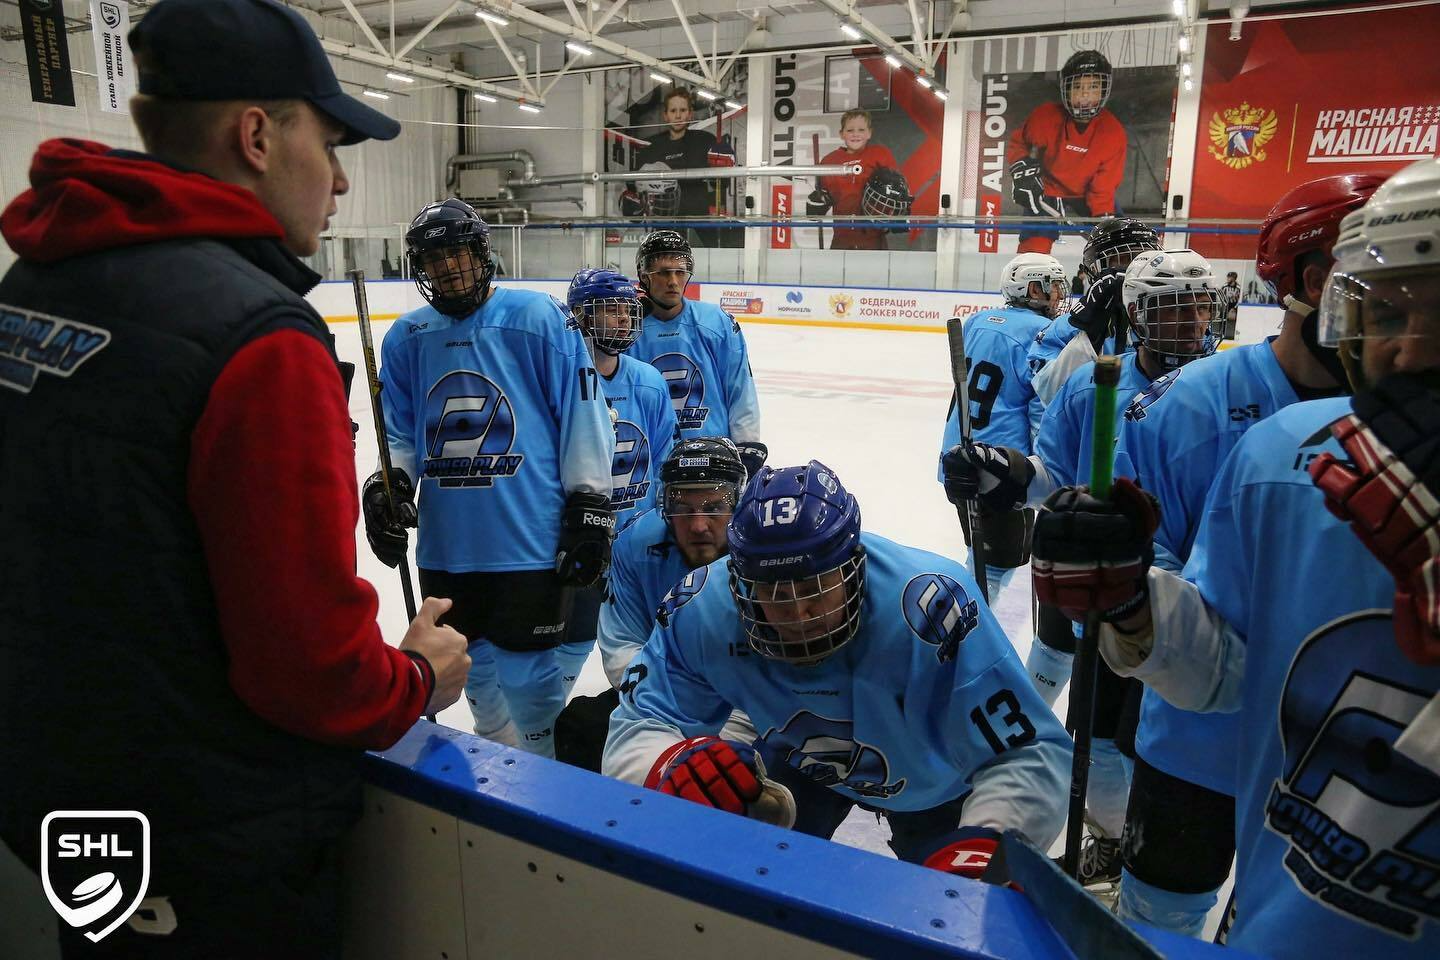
x=630, y=470
x=680, y=594
x=940, y=612
x=826, y=751
x=469, y=430
x=34, y=343
x=1135, y=409
x=687, y=389
x=1362, y=821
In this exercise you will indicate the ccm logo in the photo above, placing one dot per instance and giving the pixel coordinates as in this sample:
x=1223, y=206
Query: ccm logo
x=780, y=561
x=1308, y=235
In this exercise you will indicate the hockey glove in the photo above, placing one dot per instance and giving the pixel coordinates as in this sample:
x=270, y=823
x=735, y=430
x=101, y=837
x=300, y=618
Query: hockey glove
x=384, y=530
x=753, y=454
x=1091, y=554
x=1101, y=310
x=1389, y=493
x=1027, y=189
x=722, y=774
x=586, y=529
x=998, y=477
x=819, y=203
x=965, y=852
x=631, y=205
x=720, y=154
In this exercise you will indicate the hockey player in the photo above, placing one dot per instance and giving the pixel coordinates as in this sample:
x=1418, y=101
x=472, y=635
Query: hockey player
x=699, y=350
x=843, y=194
x=492, y=404
x=1180, y=824
x=700, y=483
x=1110, y=247
x=874, y=675
x=1169, y=297
x=1004, y=412
x=1068, y=158
x=1309, y=607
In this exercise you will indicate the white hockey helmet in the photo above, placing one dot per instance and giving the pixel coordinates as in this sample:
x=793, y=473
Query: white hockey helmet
x=1383, y=255
x=661, y=197
x=1039, y=268
x=1171, y=297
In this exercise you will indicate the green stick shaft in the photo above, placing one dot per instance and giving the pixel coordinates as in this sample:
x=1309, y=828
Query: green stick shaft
x=1102, y=441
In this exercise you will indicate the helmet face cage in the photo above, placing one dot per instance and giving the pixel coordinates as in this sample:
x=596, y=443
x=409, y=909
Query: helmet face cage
x=1085, y=65
x=661, y=198
x=1015, y=285
x=1163, y=320
x=804, y=620
x=885, y=197
x=613, y=323
x=1116, y=252
x=450, y=281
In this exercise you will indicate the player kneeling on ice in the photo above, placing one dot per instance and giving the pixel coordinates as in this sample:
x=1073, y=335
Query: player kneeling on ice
x=1310, y=606
x=872, y=673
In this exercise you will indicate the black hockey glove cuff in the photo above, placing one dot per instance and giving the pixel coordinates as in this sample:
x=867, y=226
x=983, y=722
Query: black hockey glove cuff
x=1101, y=310
x=386, y=531
x=586, y=529
x=753, y=454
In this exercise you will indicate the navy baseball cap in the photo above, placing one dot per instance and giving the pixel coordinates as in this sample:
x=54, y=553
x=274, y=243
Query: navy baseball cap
x=245, y=50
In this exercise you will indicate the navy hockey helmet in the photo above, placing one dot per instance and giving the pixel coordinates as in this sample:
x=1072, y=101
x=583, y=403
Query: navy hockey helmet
x=607, y=307
x=1084, y=102
x=797, y=567
x=886, y=194
x=709, y=463
x=1113, y=242
x=448, y=246
x=663, y=243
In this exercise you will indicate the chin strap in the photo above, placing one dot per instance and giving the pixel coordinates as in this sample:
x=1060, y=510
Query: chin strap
x=1329, y=357
x=1299, y=307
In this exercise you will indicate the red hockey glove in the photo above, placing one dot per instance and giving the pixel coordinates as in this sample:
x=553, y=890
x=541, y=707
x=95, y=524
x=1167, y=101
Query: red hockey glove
x=1091, y=554
x=723, y=774
x=965, y=852
x=1390, y=495
x=720, y=154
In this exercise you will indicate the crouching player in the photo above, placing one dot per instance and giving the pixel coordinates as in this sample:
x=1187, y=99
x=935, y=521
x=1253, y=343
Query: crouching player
x=871, y=671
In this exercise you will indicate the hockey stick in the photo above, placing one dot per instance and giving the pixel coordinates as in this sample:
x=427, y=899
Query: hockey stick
x=372, y=379
x=960, y=373
x=815, y=155
x=1082, y=676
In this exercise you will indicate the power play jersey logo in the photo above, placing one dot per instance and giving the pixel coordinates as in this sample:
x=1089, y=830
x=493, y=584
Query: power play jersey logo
x=1362, y=821
x=825, y=751
x=469, y=430
x=630, y=470
x=687, y=389
x=940, y=612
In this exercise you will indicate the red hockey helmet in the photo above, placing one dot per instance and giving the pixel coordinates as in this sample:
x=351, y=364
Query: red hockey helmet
x=1307, y=218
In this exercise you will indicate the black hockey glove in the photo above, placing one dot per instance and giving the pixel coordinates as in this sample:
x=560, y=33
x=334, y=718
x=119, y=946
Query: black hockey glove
x=630, y=204
x=384, y=530
x=997, y=477
x=1090, y=554
x=586, y=529
x=819, y=203
x=1101, y=311
x=753, y=454
x=1027, y=189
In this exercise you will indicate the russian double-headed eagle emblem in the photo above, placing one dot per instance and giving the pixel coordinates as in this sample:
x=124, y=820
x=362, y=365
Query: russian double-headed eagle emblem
x=1238, y=135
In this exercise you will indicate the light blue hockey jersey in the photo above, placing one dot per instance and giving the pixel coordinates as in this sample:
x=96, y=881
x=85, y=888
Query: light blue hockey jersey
x=1063, y=444
x=927, y=703
x=502, y=416
x=645, y=430
x=645, y=563
x=1337, y=835
x=1046, y=345
x=701, y=354
x=1004, y=410
x=1174, y=436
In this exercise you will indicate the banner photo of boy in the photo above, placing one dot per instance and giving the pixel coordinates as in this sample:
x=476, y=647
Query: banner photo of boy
x=1068, y=128
x=853, y=108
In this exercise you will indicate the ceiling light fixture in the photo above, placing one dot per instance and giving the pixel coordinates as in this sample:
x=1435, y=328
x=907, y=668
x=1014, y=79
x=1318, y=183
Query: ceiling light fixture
x=485, y=98
x=489, y=17
x=850, y=31
x=376, y=95
x=579, y=48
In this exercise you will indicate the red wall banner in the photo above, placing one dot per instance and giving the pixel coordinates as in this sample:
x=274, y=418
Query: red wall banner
x=1295, y=100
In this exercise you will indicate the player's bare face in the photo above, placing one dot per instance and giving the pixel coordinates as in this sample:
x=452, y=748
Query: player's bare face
x=678, y=115
x=698, y=516
x=451, y=270
x=1400, y=321
x=666, y=280
x=1055, y=296
x=806, y=609
x=855, y=134
x=1086, y=91
x=304, y=177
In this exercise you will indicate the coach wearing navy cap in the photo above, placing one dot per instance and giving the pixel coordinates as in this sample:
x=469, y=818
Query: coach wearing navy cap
x=182, y=632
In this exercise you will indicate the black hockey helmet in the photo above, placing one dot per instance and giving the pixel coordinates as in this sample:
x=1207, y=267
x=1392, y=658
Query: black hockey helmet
x=1113, y=242
x=663, y=243
x=886, y=194
x=450, y=225
x=702, y=462
x=1085, y=63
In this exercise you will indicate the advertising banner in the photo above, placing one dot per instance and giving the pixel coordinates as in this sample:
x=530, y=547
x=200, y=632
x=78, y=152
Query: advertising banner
x=47, y=51
x=1299, y=99
x=110, y=23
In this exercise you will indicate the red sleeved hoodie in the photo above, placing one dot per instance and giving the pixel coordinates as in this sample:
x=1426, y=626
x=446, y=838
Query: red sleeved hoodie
x=271, y=480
